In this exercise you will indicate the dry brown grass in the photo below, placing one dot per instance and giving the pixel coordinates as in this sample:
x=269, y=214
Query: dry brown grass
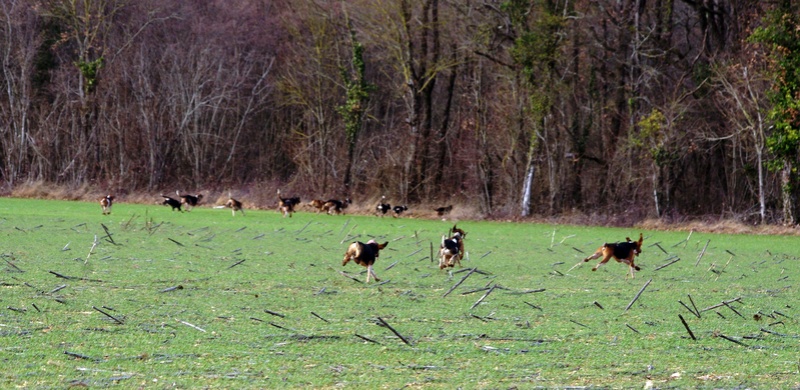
x=42, y=190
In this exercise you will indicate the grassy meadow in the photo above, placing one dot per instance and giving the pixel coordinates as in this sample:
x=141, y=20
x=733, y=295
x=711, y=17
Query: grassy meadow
x=150, y=298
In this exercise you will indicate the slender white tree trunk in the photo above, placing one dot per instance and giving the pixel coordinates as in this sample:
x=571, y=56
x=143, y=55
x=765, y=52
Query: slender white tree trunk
x=527, y=187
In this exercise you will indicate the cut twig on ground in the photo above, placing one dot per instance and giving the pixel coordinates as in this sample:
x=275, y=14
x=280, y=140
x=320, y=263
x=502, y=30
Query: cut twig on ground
x=685, y=325
x=237, y=263
x=179, y=244
x=274, y=313
x=460, y=281
x=384, y=323
x=73, y=277
x=317, y=315
x=117, y=320
x=690, y=309
x=599, y=305
x=658, y=245
x=667, y=264
x=638, y=294
x=91, y=250
x=722, y=304
x=80, y=356
x=478, y=302
x=192, y=326
x=173, y=288
x=732, y=309
x=14, y=266
x=532, y=305
x=108, y=234
x=632, y=328
x=578, y=323
x=349, y=277
x=366, y=339
x=703, y=252
x=733, y=340
x=527, y=291
x=303, y=228
x=693, y=305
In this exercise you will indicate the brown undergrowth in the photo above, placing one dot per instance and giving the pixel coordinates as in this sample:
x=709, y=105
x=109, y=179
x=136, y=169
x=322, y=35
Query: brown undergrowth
x=263, y=197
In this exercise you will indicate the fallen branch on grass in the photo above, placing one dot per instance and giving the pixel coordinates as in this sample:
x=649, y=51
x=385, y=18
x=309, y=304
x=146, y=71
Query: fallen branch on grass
x=317, y=315
x=667, y=264
x=192, y=326
x=384, y=323
x=685, y=325
x=733, y=340
x=117, y=320
x=366, y=339
x=638, y=294
x=473, y=270
x=79, y=356
x=703, y=252
x=483, y=297
x=722, y=304
x=350, y=277
x=74, y=277
x=237, y=263
x=274, y=313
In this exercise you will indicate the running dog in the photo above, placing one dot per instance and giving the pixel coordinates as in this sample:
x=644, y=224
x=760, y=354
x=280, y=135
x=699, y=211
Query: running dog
x=452, y=249
x=622, y=252
x=171, y=202
x=235, y=206
x=442, y=211
x=189, y=201
x=383, y=208
x=399, y=210
x=106, y=203
x=286, y=205
x=334, y=206
x=365, y=255
x=317, y=204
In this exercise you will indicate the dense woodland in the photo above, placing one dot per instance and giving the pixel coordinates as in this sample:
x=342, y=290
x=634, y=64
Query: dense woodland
x=636, y=108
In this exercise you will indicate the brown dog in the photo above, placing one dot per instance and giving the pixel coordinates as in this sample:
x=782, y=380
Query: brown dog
x=317, y=204
x=623, y=252
x=106, y=203
x=335, y=206
x=286, y=205
x=364, y=254
x=442, y=211
x=235, y=206
x=189, y=201
x=452, y=249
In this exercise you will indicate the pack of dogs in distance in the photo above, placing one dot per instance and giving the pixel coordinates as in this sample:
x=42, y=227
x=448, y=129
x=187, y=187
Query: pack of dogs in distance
x=451, y=249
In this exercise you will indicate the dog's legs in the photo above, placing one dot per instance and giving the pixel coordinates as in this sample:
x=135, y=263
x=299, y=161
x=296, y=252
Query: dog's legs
x=605, y=260
x=371, y=272
x=596, y=255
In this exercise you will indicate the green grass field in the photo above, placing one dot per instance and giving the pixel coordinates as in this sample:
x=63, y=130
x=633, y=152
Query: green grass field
x=207, y=300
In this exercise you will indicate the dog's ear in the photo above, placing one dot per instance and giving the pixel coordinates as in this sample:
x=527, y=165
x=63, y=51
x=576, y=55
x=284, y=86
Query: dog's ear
x=381, y=246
